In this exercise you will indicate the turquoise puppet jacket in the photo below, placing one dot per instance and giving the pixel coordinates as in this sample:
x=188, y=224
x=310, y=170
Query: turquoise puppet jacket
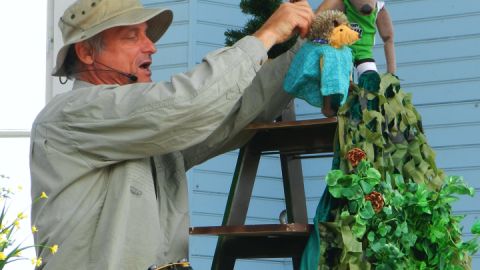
x=319, y=70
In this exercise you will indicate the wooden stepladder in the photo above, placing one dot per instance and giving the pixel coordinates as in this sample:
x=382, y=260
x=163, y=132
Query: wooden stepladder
x=292, y=140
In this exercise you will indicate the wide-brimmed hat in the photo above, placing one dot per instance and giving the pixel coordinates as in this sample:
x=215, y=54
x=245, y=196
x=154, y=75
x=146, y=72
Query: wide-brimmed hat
x=86, y=18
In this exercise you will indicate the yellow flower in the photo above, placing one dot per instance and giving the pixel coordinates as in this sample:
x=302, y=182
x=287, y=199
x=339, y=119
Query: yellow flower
x=21, y=215
x=43, y=195
x=2, y=256
x=37, y=262
x=54, y=249
x=34, y=229
x=16, y=223
x=20, y=187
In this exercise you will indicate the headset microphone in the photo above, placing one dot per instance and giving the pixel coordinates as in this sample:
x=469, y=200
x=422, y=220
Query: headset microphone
x=130, y=76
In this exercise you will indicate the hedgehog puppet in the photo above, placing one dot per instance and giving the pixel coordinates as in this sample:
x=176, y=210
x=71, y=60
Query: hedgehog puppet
x=321, y=70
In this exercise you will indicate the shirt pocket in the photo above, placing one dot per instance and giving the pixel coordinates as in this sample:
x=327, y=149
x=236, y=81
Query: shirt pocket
x=140, y=179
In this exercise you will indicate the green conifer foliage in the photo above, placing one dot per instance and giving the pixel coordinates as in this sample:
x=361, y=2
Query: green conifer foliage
x=260, y=11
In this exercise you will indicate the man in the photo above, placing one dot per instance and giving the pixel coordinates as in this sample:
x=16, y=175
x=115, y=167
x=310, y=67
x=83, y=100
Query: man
x=112, y=154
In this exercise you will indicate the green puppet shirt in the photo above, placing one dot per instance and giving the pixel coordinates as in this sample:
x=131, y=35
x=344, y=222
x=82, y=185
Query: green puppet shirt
x=362, y=49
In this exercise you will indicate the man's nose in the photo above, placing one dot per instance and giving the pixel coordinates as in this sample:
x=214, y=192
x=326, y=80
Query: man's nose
x=366, y=9
x=149, y=46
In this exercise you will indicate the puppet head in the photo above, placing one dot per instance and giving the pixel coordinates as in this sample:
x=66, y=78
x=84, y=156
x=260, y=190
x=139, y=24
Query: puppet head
x=333, y=27
x=364, y=7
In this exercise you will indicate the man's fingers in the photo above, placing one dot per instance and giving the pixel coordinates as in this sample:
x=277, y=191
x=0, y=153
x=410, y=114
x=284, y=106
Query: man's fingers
x=287, y=19
x=305, y=17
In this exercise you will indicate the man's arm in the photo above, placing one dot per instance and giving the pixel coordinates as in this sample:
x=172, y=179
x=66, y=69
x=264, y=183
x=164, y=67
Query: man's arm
x=114, y=123
x=330, y=5
x=385, y=30
x=262, y=101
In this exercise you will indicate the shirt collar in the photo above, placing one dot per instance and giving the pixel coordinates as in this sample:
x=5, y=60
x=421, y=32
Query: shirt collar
x=81, y=84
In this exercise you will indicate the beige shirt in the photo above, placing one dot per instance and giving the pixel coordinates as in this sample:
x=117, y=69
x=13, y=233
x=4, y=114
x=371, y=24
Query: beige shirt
x=111, y=206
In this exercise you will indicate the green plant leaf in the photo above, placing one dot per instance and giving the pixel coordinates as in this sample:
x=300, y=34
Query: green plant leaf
x=476, y=227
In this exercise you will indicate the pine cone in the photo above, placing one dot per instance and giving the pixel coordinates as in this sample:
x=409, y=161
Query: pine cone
x=355, y=155
x=377, y=200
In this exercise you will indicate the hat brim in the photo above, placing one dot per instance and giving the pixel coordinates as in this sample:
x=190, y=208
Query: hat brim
x=158, y=21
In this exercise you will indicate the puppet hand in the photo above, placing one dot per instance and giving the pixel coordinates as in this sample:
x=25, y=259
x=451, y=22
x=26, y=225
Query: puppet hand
x=369, y=80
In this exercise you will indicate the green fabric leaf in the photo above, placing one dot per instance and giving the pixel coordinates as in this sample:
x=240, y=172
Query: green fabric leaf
x=333, y=176
x=367, y=211
x=374, y=176
x=384, y=229
x=367, y=187
x=353, y=192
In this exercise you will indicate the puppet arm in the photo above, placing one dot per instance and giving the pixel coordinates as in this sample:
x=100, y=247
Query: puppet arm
x=385, y=30
x=330, y=5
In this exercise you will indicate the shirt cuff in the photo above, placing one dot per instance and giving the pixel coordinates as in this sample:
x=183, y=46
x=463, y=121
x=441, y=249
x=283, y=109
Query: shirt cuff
x=254, y=48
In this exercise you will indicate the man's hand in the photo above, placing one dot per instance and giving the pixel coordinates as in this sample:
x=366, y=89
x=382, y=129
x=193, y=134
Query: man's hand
x=284, y=22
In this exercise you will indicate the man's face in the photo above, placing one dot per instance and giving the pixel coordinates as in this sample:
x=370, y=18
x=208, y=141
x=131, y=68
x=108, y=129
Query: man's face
x=127, y=49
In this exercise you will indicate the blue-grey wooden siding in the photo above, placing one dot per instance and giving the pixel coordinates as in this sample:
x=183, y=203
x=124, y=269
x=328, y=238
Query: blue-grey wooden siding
x=438, y=56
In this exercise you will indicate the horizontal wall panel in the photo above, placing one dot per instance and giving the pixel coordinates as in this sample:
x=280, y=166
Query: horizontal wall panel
x=215, y=182
x=171, y=55
x=205, y=245
x=316, y=166
x=230, y=3
x=438, y=27
x=211, y=33
x=259, y=206
x=419, y=9
x=179, y=8
x=431, y=71
x=314, y=188
x=468, y=221
x=164, y=73
x=444, y=91
x=177, y=33
x=467, y=204
x=445, y=48
x=448, y=135
x=458, y=157
x=149, y=3
x=442, y=114
x=220, y=13
x=269, y=165
x=205, y=219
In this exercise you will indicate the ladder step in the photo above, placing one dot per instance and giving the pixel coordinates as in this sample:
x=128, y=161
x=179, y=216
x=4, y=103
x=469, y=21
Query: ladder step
x=254, y=230
x=295, y=137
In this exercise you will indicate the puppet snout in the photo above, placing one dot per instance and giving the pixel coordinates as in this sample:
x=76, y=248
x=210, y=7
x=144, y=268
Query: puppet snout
x=366, y=9
x=343, y=35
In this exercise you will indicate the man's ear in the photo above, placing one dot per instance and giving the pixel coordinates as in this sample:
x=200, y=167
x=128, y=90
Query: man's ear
x=84, y=53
